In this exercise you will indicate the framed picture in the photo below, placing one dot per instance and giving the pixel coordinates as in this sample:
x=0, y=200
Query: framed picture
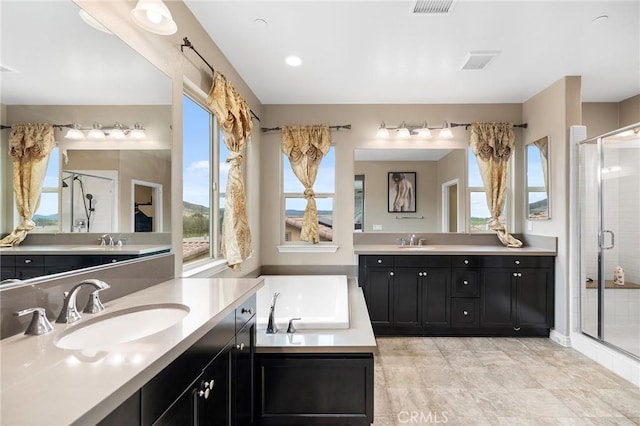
x=402, y=192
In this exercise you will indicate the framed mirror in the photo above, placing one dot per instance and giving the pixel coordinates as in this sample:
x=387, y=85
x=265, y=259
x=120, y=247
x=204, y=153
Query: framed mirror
x=537, y=182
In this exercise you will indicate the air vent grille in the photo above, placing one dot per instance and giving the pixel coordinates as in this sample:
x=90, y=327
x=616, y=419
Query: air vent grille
x=433, y=7
x=478, y=60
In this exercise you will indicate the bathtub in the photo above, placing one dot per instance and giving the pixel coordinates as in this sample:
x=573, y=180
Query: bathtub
x=321, y=301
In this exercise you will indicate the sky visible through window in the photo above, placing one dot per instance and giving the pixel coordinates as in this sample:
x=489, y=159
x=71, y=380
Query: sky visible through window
x=325, y=183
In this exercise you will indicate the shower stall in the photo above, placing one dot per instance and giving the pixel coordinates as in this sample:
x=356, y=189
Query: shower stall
x=89, y=202
x=609, y=232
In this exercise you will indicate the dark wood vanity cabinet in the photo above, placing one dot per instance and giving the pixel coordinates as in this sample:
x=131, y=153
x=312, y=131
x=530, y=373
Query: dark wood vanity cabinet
x=458, y=295
x=211, y=383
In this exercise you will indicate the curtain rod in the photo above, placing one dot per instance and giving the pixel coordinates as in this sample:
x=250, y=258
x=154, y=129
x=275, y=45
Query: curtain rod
x=187, y=43
x=58, y=126
x=467, y=125
x=338, y=127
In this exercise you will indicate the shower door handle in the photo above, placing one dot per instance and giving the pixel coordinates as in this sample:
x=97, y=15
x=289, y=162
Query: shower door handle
x=613, y=239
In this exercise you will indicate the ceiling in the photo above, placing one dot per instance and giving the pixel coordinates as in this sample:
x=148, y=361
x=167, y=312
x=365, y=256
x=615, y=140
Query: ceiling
x=379, y=52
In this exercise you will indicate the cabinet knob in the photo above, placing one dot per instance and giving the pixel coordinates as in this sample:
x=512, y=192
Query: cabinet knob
x=465, y=313
x=379, y=260
x=515, y=274
x=466, y=262
x=519, y=274
x=27, y=261
x=465, y=282
x=204, y=393
x=419, y=274
x=517, y=262
x=240, y=347
x=391, y=273
x=246, y=311
x=114, y=260
x=516, y=328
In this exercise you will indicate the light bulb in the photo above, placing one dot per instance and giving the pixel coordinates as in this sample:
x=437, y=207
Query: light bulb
x=446, y=133
x=96, y=132
x=154, y=16
x=117, y=132
x=138, y=132
x=74, y=133
x=382, y=132
x=403, y=132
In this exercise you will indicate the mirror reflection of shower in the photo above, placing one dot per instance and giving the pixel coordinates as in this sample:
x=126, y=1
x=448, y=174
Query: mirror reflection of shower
x=89, y=201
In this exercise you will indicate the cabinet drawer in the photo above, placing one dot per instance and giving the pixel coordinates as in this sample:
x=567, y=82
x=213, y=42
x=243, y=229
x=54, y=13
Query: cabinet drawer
x=378, y=260
x=466, y=283
x=117, y=258
x=465, y=261
x=8, y=261
x=517, y=261
x=25, y=260
x=464, y=312
x=245, y=311
x=422, y=261
x=80, y=261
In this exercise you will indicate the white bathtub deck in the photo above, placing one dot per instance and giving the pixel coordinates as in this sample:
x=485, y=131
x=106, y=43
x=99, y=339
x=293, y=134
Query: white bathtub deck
x=357, y=338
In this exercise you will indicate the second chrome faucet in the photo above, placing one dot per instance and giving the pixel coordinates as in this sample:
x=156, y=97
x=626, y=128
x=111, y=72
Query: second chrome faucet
x=69, y=312
x=272, y=328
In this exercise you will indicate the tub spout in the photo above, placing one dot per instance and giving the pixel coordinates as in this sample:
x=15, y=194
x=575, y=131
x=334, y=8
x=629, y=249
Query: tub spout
x=272, y=328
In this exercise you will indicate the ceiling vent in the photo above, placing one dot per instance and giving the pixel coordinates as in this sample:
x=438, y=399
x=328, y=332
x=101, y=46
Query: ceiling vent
x=477, y=60
x=433, y=7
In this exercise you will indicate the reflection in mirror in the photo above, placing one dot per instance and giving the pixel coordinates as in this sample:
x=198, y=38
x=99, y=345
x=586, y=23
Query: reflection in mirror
x=433, y=167
x=537, y=161
x=359, y=203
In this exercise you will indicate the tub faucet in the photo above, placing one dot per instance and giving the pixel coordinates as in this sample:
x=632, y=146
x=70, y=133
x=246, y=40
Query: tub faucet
x=272, y=328
x=69, y=312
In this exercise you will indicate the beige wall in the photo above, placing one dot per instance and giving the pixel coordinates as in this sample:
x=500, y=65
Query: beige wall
x=604, y=117
x=454, y=166
x=164, y=52
x=365, y=120
x=550, y=113
x=630, y=111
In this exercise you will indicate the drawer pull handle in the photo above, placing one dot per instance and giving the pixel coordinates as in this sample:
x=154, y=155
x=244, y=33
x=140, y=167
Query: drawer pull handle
x=27, y=261
x=465, y=313
x=466, y=262
x=465, y=282
x=390, y=274
x=515, y=274
x=517, y=262
x=240, y=347
x=419, y=274
x=516, y=328
x=114, y=260
x=246, y=311
x=379, y=260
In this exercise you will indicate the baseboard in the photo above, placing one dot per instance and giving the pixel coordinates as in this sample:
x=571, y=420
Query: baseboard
x=560, y=339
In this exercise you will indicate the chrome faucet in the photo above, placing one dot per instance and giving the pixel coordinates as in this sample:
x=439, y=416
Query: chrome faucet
x=412, y=240
x=69, y=312
x=272, y=328
x=104, y=240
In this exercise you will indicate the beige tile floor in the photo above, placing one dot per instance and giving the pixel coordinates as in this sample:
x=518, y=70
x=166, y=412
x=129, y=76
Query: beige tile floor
x=496, y=381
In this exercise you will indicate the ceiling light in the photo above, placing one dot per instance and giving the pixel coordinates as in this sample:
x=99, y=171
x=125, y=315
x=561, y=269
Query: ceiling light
x=96, y=132
x=403, y=132
x=382, y=132
x=138, y=132
x=293, y=61
x=74, y=133
x=445, y=132
x=424, y=132
x=92, y=22
x=154, y=16
x=117, y=132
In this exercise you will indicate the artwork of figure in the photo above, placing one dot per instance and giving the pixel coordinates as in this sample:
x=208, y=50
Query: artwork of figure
x=402, y=192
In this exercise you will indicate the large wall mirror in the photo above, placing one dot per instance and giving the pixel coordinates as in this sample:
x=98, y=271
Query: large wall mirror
x=438, y=208
x=67, y=71
x=537, y=190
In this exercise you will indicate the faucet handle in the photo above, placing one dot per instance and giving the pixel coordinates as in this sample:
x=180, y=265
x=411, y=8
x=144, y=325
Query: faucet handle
x=291, y=328
x=39, y=323
x=94, y=304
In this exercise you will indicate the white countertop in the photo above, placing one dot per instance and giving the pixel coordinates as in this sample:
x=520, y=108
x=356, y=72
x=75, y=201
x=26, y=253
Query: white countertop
x=77, y=249
x=457, y=249
x=42, y=385
x=357, y=338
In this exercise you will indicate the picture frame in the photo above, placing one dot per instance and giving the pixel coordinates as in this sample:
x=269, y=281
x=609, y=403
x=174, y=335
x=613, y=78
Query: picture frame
x=401, y=192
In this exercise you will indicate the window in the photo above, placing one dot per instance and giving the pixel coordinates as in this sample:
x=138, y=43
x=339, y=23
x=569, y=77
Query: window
x=47, y=215
x=295, y=203
x=204, y=173
x=480, y=216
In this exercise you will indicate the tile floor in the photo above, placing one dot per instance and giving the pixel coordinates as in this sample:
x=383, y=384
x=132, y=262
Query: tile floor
x=496, y=381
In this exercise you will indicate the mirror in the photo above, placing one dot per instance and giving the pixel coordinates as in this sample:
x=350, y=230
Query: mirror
x=79, y=74
x=358, y=219
x=537, y=163
x=440, y=191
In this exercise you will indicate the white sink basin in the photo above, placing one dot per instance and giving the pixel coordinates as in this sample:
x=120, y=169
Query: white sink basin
x=417, y=248
x=122, y=326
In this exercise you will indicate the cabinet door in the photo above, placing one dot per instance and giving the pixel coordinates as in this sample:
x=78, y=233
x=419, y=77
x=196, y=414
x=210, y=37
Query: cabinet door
x=531, y=298
x=181, y=413
x=213, y=399
x=435, y=298
x=407, y=291
x=379, y=295
x=496, y=307
x=242, y=372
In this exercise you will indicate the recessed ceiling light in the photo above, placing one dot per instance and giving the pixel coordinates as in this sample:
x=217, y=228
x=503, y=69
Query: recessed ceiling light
x=293, y=61
x=600, y=19
x=260, y=23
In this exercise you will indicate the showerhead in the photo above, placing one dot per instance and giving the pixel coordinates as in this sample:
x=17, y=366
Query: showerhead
x=89, y=197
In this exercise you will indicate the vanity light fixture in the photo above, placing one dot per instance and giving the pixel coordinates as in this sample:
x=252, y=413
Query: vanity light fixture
x=154, y=16
x=96, y=132
x=422, y=131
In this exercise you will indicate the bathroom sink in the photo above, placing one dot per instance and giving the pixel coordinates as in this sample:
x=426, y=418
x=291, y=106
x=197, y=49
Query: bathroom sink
x=417, y=248
x=122, y=326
